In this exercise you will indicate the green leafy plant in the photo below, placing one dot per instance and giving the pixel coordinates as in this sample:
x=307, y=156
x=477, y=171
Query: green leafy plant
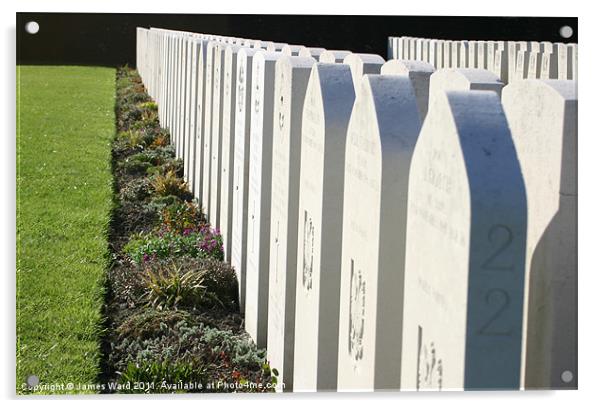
x=170, y=287
x=170, y=184
x=158, y=377
x=200, y=243
x=181, y=216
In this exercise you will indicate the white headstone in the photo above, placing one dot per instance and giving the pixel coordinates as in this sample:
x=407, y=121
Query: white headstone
x=363, y=64
x=333, y=56
x=292, y=50
x=464, y=79
x=240, y=177
x=419, y=73
x=207, y=139
x=291, y=78
x=543, y=118
x=326, y=111
x=199, y=154
x=216, y=137
x=382, y=133
x=465, y=241
x=312, y=52
x=228, y=136
x=260, y=193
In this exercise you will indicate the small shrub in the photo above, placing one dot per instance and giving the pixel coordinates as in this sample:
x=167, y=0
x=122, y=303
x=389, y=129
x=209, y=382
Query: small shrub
x=159, y=203
x=181, y=216
x=169, y=287
x=135, y=167
x=200, y=283
x=136, y=190
x=151, y=323
x=171, y=184
x=150, y=106
x=132, y=138
x=161, y=140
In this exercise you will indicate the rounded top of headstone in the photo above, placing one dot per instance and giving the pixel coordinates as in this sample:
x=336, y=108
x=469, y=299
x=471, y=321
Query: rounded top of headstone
x=333, y=56
x=335, y=85
x=292, y=50
x=397, y=66
x=565, y=89
x=391, y=101
x=464, y=79
x=364, y=58
x=263, y=55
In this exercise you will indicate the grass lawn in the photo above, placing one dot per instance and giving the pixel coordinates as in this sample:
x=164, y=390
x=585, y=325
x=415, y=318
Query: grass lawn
x=65, y=124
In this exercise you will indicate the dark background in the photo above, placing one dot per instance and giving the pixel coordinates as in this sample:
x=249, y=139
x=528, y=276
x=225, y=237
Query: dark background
x=110, y=39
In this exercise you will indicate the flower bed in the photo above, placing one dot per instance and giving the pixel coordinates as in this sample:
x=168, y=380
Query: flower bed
x=172, y=310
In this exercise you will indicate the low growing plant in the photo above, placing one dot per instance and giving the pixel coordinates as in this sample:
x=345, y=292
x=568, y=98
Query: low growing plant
x=181, y=216
x=170, y=287
x=160, y=377
x=202, y=242
x=170, y=184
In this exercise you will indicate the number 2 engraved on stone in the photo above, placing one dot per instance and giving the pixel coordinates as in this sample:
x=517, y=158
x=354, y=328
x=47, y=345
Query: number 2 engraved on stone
x=486, y=329
x=492, y=263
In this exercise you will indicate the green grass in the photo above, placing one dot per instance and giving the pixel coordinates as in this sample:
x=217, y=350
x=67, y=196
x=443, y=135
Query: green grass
x=65, y=124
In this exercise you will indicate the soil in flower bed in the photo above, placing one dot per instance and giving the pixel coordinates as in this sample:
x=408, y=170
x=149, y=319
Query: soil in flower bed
x=171, y=307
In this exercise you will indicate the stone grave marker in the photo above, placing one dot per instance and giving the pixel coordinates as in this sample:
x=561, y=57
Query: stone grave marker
x=463, y=51
x=216, y=137
x=312, y=52
x=192, y=108
x=543, y=119
x=291, y=78
x=382, y=133
x=207, y=127
x=326, y=111
x=259, y=198
x=500, y=65
x=334, y=56
x=465, y=247
x=562, y=61
x=572, y=61
x=361, y=64
x=240, y=177
x=292, y=50
x=200, y=124
x=227, y=161
x=464, y=79
x=419, y=73
x=481, y=55
x=472, y=54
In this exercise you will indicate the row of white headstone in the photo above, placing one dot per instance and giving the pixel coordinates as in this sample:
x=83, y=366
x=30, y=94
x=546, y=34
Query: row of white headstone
x=392, y=226
x=509, y=60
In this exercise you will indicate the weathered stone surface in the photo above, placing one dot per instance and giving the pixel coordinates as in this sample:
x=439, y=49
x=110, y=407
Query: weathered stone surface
x=382, y=133
x=543, y=118
x=327, y=107
x=419, y=73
